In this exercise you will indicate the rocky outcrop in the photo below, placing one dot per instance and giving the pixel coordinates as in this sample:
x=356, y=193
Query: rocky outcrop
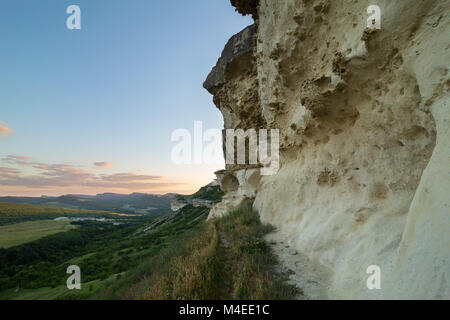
x=246, y=7
x=240, y=190
x=239, y=45
x=364, y=138
x=178, y=204
x=233, y=83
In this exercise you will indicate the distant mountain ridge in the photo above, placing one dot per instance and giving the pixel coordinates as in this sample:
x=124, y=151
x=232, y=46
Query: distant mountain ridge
x=141, y=203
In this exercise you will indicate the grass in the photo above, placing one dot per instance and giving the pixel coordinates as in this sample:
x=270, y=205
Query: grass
x=32, y=294
x=226, y=258
x=250, y=262
x=55, y=293
x=19, y=233
x=169, y=240
x=195, y=274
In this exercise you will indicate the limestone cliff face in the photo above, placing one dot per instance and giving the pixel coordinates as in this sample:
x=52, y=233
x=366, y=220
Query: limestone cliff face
x=364, y=132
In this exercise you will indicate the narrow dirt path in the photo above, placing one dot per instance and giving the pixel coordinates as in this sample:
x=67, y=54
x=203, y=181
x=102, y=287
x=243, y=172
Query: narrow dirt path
x=311, y=278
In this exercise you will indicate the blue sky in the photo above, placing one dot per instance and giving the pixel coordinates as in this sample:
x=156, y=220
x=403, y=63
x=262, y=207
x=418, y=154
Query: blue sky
x=113, y=91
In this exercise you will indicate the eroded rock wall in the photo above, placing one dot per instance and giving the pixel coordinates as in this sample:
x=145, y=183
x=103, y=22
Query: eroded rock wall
x=234, y=84
x=363, y=118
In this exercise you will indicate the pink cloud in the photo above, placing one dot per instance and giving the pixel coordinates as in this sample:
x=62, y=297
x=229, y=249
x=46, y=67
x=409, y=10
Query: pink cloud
x=45, y=176
x=20, y=160
x=4, y=130
x=105, y=164
x=6, y=172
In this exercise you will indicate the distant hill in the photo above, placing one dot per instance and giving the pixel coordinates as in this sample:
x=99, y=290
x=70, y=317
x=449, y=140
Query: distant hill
x=135, y=203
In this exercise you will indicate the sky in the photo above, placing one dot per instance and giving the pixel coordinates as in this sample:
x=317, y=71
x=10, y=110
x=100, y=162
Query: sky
x=92, y=110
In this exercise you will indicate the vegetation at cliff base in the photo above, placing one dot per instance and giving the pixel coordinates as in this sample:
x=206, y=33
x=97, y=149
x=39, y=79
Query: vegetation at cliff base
x=224, y=259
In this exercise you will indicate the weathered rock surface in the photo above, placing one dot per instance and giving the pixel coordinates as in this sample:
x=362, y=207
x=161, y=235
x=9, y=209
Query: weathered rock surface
x=178, y=204
x=240, y=190
x=365, y=143
x=238, y=45
x=246, y=7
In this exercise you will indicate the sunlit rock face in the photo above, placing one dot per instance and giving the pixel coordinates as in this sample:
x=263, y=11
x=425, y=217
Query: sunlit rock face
x=176, y=205
x=364, y=130
x=239, y=187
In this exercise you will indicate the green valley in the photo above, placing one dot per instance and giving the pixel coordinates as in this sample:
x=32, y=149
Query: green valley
x=176, y=255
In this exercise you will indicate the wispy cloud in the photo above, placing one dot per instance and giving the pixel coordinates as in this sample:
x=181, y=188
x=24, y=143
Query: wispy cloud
x=105, y=164
x=24, y=172
x=5, y=131
x=8, y=172
x=20, y=160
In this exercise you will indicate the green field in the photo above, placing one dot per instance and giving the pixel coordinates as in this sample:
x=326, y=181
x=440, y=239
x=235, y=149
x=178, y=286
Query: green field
x=19, y=233
x=57, y=293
